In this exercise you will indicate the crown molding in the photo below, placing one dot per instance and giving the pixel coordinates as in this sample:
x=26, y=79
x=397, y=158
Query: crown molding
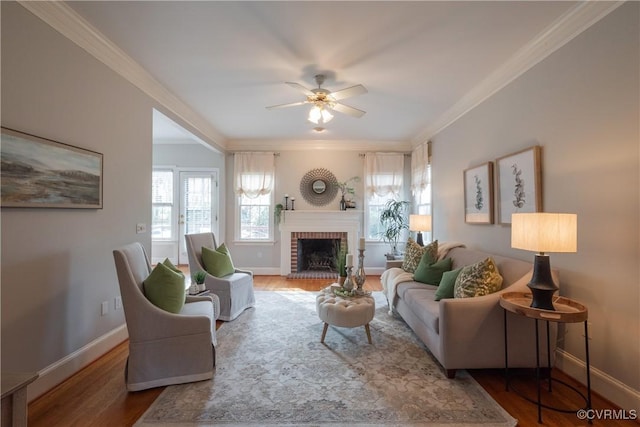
x=70, y=24
x=318, y=144
x=559, y=33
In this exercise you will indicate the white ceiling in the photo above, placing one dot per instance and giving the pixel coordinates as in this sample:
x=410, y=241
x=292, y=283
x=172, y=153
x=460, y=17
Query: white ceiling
x=419, y=61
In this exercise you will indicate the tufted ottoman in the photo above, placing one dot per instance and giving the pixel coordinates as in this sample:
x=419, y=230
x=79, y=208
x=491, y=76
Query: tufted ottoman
x=347, y=312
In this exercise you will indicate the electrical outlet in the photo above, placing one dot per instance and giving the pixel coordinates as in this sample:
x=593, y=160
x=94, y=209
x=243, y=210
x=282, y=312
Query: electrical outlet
x=117, y=303
x=104, y=308
x=141, y=227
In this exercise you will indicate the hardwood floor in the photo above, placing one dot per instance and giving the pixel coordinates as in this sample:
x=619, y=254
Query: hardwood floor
x=96, y=396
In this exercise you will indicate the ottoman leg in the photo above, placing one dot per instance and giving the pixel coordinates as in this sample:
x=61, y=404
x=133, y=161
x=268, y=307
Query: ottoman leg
x=324, y=332
x=366, y=328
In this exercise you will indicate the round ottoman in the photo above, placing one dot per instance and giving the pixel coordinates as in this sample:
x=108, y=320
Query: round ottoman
x=347, y=312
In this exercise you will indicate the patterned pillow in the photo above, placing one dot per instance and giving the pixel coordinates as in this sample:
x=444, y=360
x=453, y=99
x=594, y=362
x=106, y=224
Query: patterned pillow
x=414, y=252
x=481, y=278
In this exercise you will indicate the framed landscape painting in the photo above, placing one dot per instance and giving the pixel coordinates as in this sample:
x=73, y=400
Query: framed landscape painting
x=478, y=194
x=519, y=183
x=41, y=173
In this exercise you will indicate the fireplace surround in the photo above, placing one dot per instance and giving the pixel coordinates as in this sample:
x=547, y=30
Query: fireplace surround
x=327, y=224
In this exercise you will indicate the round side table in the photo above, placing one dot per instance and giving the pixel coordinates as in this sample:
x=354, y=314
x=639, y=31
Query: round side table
x=566, y=311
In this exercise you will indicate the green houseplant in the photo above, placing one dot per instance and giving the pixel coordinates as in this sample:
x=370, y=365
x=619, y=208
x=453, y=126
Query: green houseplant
x=199, y=278
x=277, y=213
x=341, y=262
x=394, y=220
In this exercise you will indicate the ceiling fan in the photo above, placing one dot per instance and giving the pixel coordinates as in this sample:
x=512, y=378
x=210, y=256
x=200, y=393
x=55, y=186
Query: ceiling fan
x=324, y=100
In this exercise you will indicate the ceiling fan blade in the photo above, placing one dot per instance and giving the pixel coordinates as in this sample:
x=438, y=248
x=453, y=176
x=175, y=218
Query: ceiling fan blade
x=345, y=109
x=348, y=92
x=301, y=88
x=291, y=104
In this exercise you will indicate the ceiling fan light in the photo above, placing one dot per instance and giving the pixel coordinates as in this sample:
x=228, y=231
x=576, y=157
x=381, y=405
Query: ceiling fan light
x=315, y=114
x=326, y=116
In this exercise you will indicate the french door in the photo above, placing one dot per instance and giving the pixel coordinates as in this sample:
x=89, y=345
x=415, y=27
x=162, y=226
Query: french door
x=198, y=211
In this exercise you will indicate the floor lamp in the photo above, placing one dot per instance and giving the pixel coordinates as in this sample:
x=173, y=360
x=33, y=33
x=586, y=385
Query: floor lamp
x=419, y=223
x=543, y=232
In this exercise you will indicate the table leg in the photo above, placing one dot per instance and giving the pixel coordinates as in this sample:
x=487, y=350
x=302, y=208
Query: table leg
x=506, y=353
x=324, y=332
x=549, y=356
x=538, y=373
x=366, y=328
x=586, y=347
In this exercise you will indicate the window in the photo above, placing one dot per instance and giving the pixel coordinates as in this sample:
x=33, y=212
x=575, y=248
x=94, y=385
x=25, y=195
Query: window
x=254, y=175
x=162, y=205
x=255, y=217
x=422, y=201
x=383, y=174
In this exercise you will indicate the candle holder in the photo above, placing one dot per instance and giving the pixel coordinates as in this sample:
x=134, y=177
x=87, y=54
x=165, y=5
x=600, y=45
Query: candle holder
x=360, y=276
x=286, y=203
x=293, y=201
x=348, y=282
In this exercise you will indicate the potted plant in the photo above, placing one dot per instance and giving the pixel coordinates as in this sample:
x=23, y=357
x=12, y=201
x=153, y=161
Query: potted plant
x=348, y=191
x=278, y=213
x=341, y=263
x=394, y=221
x=198, y=279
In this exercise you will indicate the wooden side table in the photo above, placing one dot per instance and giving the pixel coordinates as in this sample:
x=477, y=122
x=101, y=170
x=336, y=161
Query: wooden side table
x=14, y=397
x=566, y=311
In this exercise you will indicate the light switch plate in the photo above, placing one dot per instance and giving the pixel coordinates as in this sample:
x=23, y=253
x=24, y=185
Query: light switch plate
x=141, y=227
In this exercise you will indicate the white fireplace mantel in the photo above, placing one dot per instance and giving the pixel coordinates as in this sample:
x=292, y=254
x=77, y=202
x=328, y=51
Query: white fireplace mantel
x=348, y=221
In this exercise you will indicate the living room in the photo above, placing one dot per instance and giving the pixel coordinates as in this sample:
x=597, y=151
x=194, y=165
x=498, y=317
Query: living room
x=580, y=104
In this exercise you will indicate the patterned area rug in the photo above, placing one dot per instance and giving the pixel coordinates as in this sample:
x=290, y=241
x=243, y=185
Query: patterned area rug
x=272, y=370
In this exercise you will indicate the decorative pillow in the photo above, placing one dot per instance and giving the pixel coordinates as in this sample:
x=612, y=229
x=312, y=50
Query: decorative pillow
x=445, y=288
x=430, y=272
x=217, y=262
x=414, y=252
x=165, y=288
x=481, y=278
x=169, y=264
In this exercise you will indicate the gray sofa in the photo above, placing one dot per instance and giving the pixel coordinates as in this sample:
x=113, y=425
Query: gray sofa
x=468, y=333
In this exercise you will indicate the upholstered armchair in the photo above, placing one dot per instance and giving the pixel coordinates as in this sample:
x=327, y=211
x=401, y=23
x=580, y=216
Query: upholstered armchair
x=234, y=290
x=164, y=348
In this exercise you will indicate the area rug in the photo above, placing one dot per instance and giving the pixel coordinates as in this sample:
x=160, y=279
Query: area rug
x=272, y=370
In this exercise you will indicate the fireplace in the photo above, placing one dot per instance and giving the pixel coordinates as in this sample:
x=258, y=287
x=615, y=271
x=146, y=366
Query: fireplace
x=296, y=225
x=315, y=251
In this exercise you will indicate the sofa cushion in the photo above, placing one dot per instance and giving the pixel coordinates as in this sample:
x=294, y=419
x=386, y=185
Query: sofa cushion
x=447, y=284
x=403, y=287
x=165, y=289
x=481, y=278
x=431, y=272
x=217, y=262
x=414, y=252
x=421, y=301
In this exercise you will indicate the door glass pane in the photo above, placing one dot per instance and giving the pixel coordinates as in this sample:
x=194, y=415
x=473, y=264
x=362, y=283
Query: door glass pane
x=162, y=199
x=197, y=196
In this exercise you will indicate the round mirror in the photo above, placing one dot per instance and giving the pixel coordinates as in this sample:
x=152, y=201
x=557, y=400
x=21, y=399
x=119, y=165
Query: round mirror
x=319, y=186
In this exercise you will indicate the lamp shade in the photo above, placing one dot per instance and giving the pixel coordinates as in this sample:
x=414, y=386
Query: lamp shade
x=420, y=222
x=544, y=232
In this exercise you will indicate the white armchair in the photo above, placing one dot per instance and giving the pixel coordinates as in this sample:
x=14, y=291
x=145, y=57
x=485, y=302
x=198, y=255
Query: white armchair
x=234, y=290
x=164, y=348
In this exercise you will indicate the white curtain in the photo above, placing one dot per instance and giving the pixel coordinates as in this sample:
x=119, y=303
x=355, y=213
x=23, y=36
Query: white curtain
x=383, y=173
x=254, y=174
x=420, y=168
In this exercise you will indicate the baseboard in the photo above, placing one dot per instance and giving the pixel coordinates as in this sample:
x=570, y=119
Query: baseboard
x=59, y=371
x=605, y=385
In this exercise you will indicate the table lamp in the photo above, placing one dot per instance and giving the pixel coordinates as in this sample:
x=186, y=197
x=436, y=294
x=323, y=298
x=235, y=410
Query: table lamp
x=419, y=223
x=543, y=232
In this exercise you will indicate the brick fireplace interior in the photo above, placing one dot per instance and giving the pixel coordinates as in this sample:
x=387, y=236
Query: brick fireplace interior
x=314, y=251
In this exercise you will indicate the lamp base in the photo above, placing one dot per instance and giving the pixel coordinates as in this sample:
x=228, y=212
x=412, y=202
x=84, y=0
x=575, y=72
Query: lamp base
x=541, y=284
x=419, y=239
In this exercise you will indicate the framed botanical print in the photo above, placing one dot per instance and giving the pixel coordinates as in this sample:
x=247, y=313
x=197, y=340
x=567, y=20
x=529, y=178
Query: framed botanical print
x=519, y=183
x=478, y=194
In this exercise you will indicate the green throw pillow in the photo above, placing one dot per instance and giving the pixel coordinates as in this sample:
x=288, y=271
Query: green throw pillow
x=481, y=278
x=165, y=288
x=217, y=262
x=430, y=272
x=169, y=264
x=413, y=254
x=445, y=288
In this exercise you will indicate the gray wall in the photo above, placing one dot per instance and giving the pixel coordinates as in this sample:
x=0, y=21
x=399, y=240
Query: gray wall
x=581, y=106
